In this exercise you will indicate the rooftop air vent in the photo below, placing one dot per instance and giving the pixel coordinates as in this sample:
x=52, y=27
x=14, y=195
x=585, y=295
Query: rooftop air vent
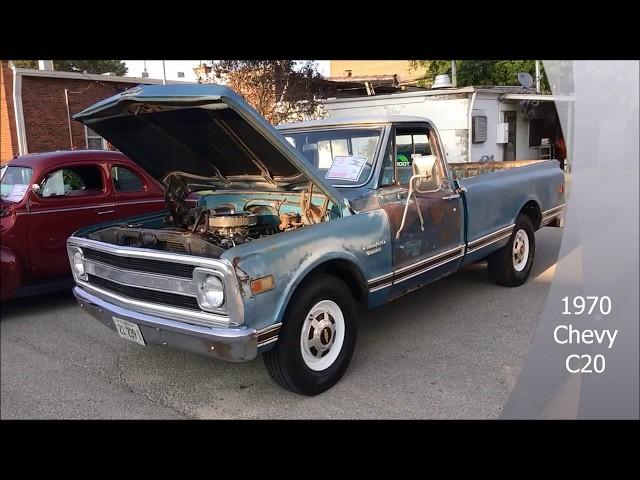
x=442, y=81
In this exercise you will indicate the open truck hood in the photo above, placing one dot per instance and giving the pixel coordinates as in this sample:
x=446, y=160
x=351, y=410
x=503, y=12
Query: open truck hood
x=206, y=134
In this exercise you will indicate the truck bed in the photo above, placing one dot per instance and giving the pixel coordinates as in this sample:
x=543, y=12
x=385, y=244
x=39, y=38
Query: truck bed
x=473, y=169
x=496, y=191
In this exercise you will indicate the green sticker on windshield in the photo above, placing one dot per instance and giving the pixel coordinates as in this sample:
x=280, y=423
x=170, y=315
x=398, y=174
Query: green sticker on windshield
x=402, y=161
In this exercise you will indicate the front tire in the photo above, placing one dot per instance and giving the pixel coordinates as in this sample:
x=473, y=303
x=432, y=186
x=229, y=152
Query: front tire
x=317, y=338
x=511, y=265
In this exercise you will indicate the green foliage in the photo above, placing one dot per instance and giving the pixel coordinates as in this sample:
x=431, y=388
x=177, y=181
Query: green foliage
x=480, y=72
x=89, y=66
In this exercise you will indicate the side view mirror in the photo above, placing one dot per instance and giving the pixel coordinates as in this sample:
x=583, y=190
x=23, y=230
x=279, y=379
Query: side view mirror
x=425, y=174
x=36, y=188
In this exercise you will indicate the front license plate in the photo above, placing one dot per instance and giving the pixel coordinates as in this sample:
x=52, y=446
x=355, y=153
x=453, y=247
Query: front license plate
x=128, y=330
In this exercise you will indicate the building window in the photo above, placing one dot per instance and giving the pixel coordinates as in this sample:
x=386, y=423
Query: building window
x=479, y=129
x=95, y=141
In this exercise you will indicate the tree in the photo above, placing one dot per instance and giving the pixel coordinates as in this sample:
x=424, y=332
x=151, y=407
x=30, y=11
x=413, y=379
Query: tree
x=481, y=72
x=280, y=90
x=87, y=66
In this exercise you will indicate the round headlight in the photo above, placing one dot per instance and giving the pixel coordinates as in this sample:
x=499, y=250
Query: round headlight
x=212, y=292
x=78, y=264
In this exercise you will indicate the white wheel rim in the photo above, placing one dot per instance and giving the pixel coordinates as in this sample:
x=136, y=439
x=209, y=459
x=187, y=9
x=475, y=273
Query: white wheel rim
x=520, y=253
x=322, y=335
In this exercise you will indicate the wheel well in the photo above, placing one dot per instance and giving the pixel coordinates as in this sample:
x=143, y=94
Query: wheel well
x=349, y=273
x=532, y=210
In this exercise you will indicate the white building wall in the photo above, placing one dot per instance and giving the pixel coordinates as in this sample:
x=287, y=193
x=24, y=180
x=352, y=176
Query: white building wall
x=485, y=105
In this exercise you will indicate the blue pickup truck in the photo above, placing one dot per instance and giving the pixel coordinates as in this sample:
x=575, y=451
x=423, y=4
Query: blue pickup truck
x=298, y=229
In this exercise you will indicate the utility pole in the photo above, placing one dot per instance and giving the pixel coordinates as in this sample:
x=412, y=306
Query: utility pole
x=537, y=76
x=66, y=101
x=164, y=74
x=454, y=77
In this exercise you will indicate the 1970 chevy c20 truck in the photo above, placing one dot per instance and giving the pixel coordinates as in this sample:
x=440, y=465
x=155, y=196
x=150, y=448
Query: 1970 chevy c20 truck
x=298, y=228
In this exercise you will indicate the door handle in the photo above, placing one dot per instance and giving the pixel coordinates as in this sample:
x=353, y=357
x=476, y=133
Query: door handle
x=105, y=211
x=451, y=197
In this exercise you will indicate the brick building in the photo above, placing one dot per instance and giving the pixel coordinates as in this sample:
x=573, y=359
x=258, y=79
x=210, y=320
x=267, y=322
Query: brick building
x=33, y=108
x=372, y=68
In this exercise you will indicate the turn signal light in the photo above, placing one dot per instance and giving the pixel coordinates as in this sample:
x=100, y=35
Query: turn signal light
x=262, y=284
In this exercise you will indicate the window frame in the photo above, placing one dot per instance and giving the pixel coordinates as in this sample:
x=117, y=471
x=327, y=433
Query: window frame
x=436, y=150
x=57, y=168
x=143, y=183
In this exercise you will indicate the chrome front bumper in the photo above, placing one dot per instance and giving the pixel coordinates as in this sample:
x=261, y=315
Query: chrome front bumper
x=238, y=344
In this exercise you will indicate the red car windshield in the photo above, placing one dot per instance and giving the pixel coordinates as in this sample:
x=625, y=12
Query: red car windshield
x=14, y=183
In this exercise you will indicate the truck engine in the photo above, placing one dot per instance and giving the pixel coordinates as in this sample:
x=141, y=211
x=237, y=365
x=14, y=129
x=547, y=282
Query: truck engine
x=210, y=231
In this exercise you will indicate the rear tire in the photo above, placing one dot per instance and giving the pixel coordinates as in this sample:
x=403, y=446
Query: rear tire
x=317, y=338
x=511, y=265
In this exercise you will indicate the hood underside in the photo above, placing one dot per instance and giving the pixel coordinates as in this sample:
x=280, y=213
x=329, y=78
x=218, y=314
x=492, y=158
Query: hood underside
x=207, y=133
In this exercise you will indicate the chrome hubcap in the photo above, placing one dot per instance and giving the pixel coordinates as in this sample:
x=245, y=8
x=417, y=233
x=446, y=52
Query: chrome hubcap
x=520, y=251
x=322, y=335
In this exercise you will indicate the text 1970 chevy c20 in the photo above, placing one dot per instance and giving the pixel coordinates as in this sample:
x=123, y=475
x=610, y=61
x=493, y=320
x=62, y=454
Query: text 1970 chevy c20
x=298, y=228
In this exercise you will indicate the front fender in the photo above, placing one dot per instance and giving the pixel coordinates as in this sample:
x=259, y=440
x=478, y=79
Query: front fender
x=290, y=257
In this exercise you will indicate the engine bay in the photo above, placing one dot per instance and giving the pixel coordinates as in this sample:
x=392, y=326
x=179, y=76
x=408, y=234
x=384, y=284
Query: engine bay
x=220, y=222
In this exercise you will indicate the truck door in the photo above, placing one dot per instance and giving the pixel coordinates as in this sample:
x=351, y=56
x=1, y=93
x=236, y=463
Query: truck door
x=420, y=256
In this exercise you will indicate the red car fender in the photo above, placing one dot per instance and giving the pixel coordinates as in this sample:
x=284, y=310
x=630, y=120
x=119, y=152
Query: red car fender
x=11, y=273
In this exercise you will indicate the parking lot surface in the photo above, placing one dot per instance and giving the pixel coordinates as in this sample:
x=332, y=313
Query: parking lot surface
x=453, y=349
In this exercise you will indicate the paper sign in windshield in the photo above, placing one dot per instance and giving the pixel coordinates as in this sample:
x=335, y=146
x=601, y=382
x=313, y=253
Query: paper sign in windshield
x=346, y=167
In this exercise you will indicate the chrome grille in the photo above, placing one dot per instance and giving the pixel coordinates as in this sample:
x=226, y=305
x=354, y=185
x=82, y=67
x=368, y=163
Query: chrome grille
x=144, y=294
x=158, y=282
x=141, y=264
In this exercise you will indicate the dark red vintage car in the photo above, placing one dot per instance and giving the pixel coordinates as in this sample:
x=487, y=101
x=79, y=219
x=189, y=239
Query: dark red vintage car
x=45, y=197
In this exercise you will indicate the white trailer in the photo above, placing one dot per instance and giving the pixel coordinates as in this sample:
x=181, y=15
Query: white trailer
x=498, y=123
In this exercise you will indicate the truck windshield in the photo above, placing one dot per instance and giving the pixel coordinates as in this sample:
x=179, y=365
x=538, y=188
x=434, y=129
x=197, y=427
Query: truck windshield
x=344, y=156
x=14, y=183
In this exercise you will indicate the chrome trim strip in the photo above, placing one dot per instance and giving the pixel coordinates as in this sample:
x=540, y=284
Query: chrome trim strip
x=268, y=341
x=426, y=260
x=480, y=247
x=375, y=289
x=478, y=240
x=150, y=254
x=137, y=202
x=402, y=278
x=268, y=329
x=71, y=209
x=275, y=328
x=424, y=270
x=381, y=277
x=183, y=315
x=149, y=281
x=546, y=212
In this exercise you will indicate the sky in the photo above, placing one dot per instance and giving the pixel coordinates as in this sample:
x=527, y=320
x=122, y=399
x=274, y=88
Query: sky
x=154, y=67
